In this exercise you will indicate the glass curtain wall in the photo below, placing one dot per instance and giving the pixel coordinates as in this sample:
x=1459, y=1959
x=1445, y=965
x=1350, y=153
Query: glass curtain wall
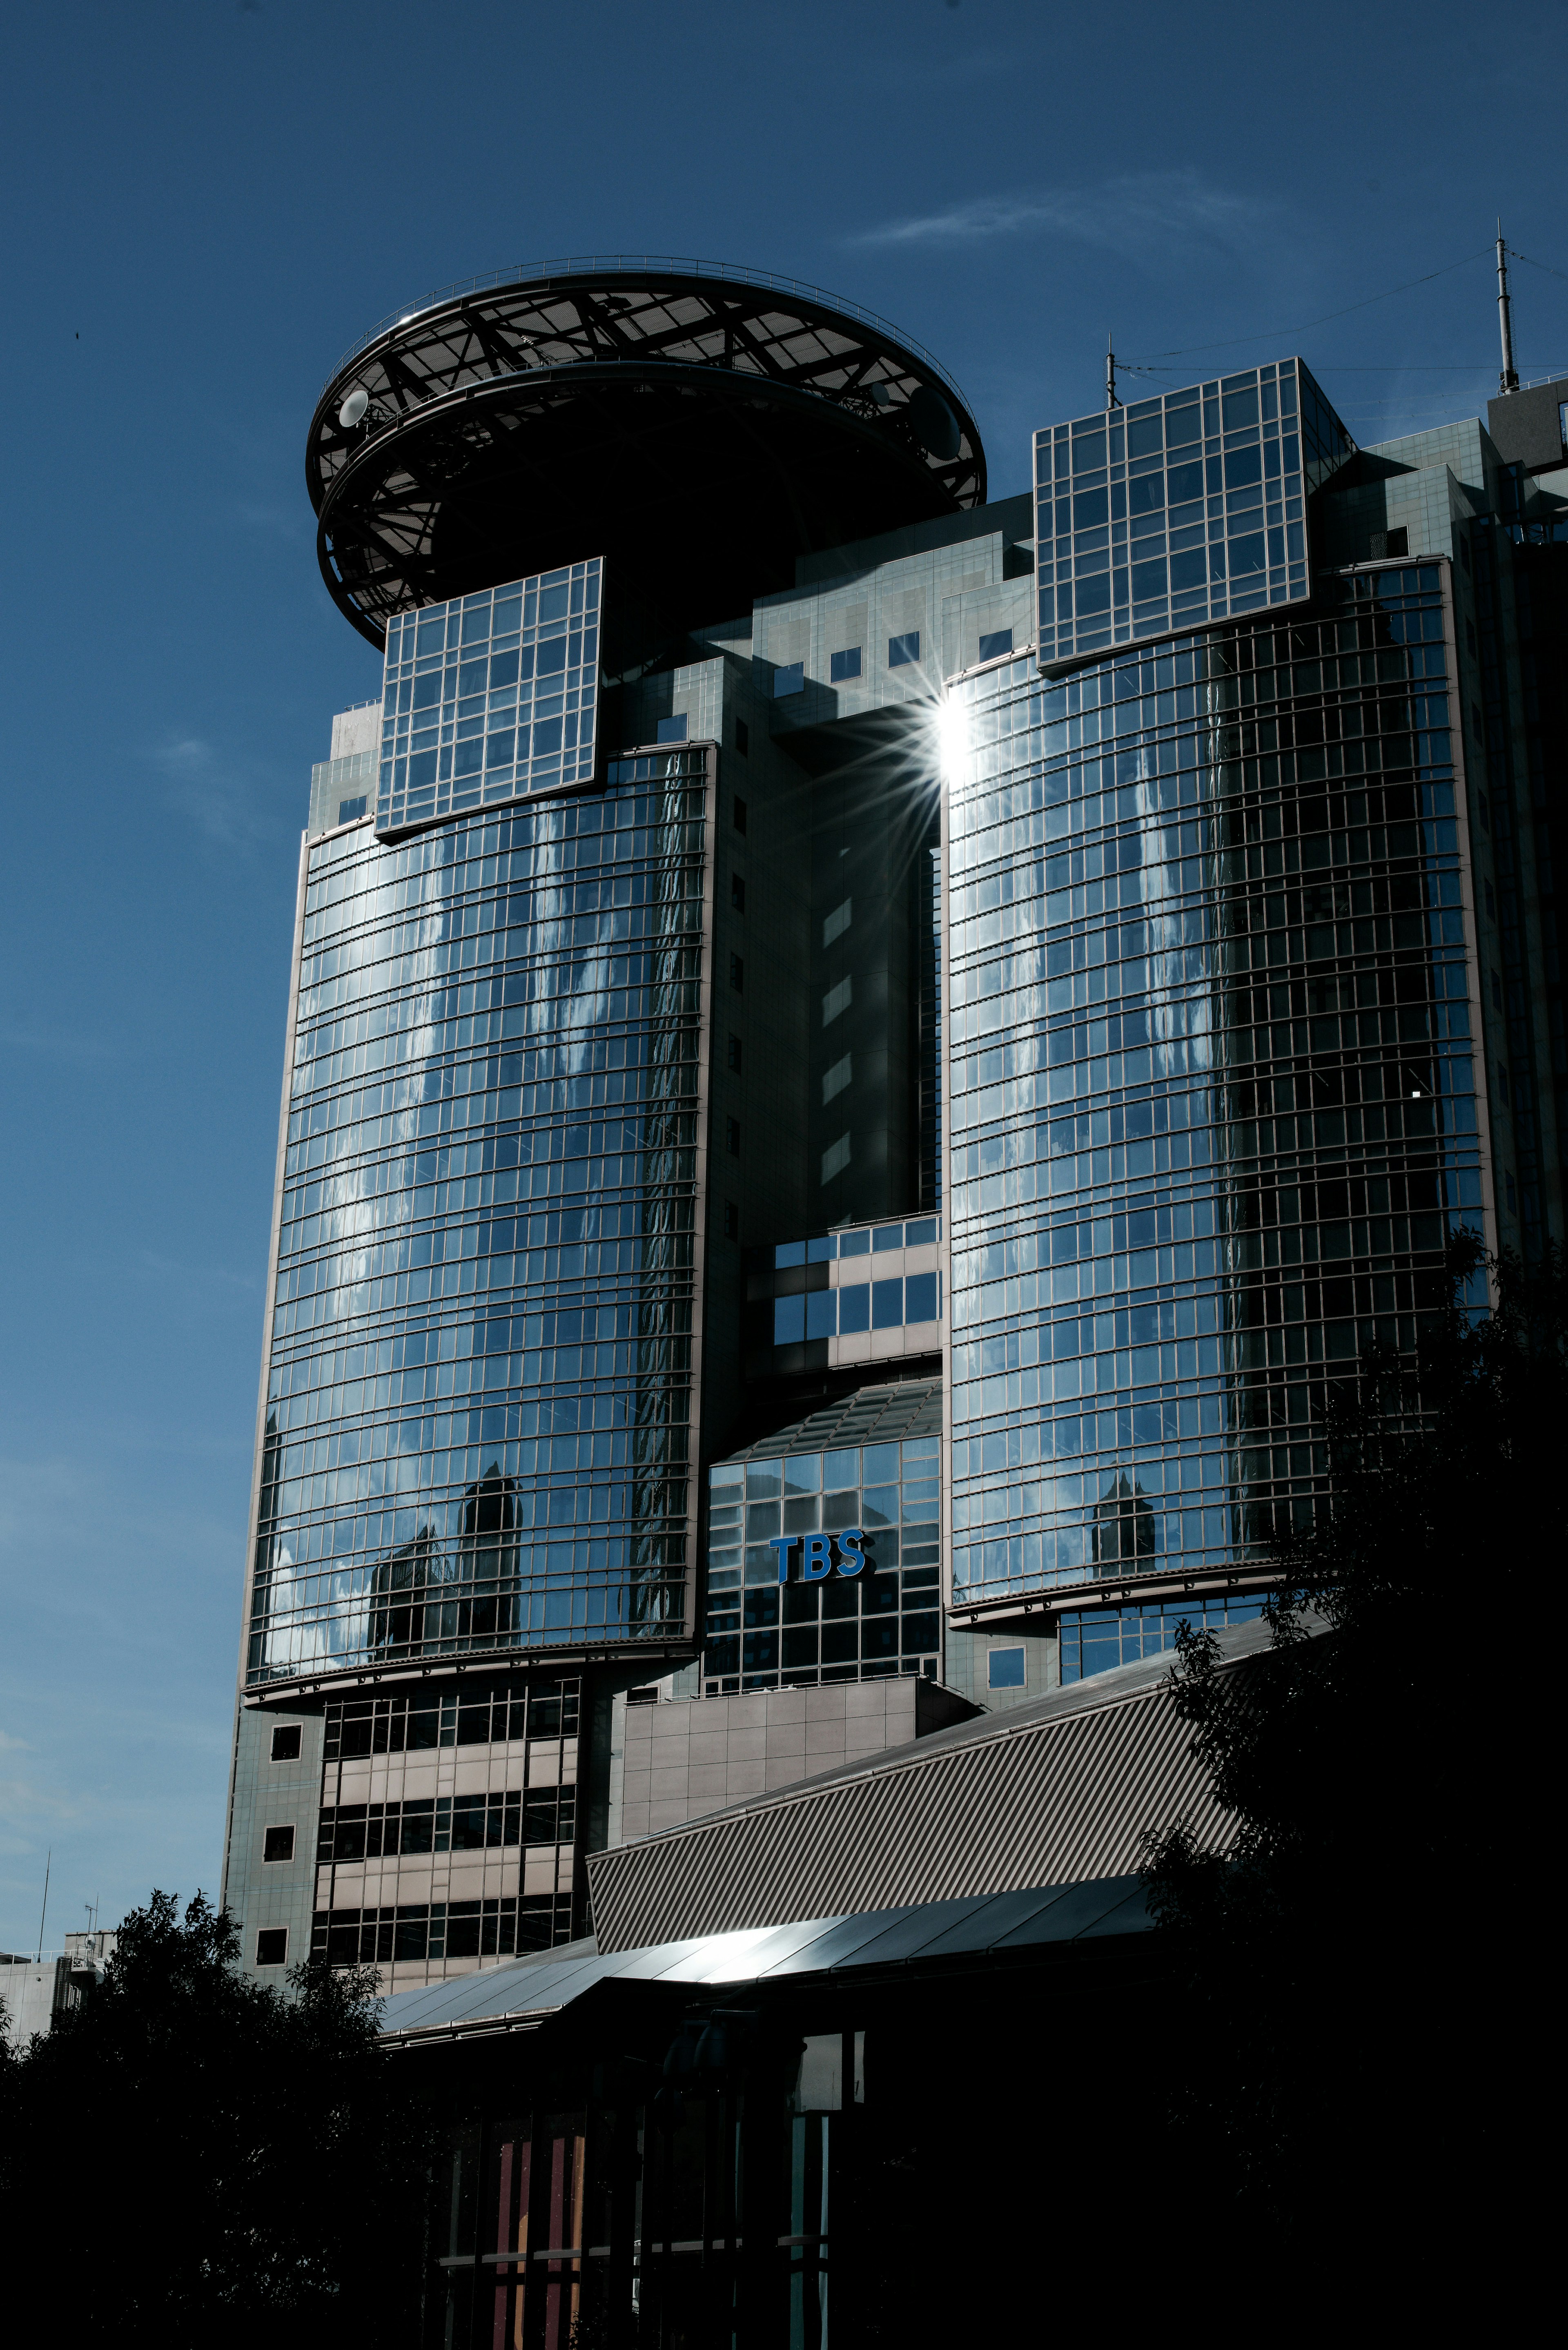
x=1213, y=1102
x=480, y=1379
x=884, y=1621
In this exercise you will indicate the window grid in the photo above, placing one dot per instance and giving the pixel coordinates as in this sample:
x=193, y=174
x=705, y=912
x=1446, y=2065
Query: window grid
x=490, y=698
x=478, y=1409
x=1213, y=1113
x=417, y=1933
x=883, y=1622
x=1185, y=509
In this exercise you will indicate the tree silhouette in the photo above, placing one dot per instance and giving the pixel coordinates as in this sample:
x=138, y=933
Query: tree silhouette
x=202, y=2158
x=1353, y=1968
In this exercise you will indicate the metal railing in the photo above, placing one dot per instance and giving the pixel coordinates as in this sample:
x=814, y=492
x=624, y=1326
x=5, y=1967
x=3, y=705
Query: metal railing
x=588, y=264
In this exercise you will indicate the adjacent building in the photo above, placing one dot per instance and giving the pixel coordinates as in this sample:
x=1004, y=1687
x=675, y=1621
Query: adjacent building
x=856, y=1057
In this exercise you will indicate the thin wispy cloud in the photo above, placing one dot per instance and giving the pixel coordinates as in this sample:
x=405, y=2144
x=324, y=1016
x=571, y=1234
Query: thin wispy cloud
x=53, y=1044
x=197, y=1278
x=221, y=802
x=1142, y=217
x=271, y=521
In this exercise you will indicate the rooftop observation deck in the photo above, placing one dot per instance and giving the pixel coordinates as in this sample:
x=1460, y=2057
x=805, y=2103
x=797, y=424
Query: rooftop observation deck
x=698, y=426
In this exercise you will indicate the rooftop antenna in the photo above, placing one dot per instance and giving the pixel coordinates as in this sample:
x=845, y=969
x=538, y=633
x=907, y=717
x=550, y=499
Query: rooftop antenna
x=1111, y=400
x=1509, y=380
x=44, y=1910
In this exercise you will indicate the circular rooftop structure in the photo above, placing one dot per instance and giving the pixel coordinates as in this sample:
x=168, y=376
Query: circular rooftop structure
x=699, y=427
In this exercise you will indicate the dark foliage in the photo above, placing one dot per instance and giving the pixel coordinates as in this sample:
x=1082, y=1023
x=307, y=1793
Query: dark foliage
x=200, y=2157
x=1358, y=1971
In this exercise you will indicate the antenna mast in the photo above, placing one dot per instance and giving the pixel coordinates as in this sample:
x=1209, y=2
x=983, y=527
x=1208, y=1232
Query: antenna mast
x=1111, y=400
x=1509, y=380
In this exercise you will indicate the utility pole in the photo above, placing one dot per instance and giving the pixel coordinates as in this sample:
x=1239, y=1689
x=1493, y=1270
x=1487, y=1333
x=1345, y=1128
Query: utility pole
x=1509, y=380
x=1111, y=400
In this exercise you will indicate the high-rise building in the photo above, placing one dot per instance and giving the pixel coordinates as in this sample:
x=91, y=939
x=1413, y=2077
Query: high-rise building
x=857, y=1055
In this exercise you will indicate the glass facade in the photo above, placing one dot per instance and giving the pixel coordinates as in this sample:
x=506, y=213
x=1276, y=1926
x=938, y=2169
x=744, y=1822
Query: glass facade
x=1182, y=510
x=490, y=697
x=1212, y=1111
x=855, y=1296
x=1099, y=1642
x=480, y=1376
x=886, y=1618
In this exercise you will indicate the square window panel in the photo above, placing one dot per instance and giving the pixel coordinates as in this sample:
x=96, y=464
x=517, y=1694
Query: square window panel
x=821, y=1313
x=844, y=665
x=1005, y=1668
x=920, y=1297
x=854, y=1308
x=886, y=1304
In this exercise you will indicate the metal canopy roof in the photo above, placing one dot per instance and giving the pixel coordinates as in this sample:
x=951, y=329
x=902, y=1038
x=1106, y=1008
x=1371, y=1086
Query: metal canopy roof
x=528, y=1994
x=1058, y=1789
x=699, y=429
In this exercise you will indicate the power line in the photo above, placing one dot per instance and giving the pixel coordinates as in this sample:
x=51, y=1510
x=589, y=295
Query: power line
x=1190, y=350
x=1541, y=265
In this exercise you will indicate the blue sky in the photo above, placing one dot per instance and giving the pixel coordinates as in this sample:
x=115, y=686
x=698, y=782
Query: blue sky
x=206, y=204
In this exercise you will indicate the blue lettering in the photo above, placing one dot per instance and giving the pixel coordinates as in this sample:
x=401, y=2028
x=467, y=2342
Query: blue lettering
x=783, y=1544
x=818, y=1556
x=851, y=1558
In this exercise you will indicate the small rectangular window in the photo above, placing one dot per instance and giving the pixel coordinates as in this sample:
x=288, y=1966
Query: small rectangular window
x=854, y=1313
x=350, y=811
x=1399, y=541
x=886, y=1304
x=732, y=1136
x=1005, y=1668
x=998, y=643
x=737, y=893
x=272, y=1946
x=673, y=730
x=735, y=1051
x=739, y=813
x=844, y=665
x=732, y=1221
x=285, y=1742
x=789, y=1321
x=742, y=745
x=737, y=974
x=790, y=679
x=921, y=1302
x=903, y=650
x=278, y=1844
